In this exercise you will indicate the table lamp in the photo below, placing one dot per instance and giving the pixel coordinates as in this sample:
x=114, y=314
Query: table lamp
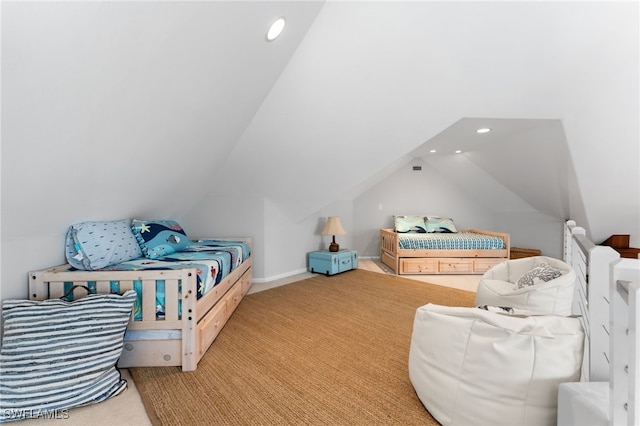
x=333, y=227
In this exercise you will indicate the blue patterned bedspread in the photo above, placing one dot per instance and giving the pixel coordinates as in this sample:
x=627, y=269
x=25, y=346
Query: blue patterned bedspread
x=450, y=241
x=213, y=259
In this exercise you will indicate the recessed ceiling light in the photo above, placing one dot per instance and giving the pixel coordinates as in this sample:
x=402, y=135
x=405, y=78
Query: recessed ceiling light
x=458, y=151
x=432, y=151
x=483, y=130
x=275, y=29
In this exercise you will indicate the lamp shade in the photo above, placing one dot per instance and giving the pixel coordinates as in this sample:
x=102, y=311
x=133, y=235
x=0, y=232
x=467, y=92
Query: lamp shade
x=333, y=226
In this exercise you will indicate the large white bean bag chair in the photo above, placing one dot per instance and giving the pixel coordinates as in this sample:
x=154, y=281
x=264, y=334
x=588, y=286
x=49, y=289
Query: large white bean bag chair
x=470, y=366
x=540, y=284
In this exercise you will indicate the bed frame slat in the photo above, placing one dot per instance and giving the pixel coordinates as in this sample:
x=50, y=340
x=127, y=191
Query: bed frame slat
x=148, y=300
x=126, y=285
x=171, y=305
x=103, y=287
x=56, y=290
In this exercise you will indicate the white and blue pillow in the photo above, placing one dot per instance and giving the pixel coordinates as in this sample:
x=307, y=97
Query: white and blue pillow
x=95, y=245
x=409, y=224
x=440, y=225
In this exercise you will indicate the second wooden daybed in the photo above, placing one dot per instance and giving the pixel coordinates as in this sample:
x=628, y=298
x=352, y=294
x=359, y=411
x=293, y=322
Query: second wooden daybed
x=441, y=261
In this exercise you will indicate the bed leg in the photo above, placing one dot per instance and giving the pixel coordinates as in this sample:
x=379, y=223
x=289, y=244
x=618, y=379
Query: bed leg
x=189, y=329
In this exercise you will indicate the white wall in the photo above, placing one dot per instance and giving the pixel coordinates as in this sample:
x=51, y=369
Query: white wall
x=115, y=110
x=287, y=242
x=598, y=63
x=146, y=109
x=280, y=245
x=428, y=192
x=233, y=216
x=533, y=230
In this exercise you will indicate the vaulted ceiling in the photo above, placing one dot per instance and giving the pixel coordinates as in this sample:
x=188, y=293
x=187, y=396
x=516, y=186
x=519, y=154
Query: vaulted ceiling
x=143, y=108
x=372, y=82
x=520, y=165
x=131, y=101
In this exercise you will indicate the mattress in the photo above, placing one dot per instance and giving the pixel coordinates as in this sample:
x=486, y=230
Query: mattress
x=213, y=260
x=450, y=241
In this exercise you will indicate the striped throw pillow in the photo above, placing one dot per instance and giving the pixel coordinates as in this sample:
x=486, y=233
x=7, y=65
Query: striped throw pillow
x=57, y=355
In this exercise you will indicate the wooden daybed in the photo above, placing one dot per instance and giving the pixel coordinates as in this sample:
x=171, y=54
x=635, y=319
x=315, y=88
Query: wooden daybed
x=448, y=261
x=189, y=326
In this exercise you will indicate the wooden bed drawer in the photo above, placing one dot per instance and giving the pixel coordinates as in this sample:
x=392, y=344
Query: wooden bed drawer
x=483, y=265
x=211, y=325
x=418, y=266
x=246, y=281
x=233, y=298
x=455, y=266
x=213, y=322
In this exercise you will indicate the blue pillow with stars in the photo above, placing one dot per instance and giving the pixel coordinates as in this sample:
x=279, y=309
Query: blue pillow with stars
x=159, y=238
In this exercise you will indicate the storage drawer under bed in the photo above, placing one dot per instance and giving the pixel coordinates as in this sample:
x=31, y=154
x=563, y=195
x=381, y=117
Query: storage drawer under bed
x=446, y=266
x=210, y=326
x=418, y=266
x=455, y=266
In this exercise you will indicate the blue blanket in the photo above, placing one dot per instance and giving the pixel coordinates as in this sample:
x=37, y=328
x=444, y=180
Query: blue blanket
x=213, y=259
x=450, y=241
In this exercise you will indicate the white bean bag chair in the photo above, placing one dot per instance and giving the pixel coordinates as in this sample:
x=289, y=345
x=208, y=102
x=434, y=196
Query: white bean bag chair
x=540, y=284
x=470, y=366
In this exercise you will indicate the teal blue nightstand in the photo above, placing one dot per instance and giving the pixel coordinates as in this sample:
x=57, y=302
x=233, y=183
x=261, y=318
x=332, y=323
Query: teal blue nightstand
x=331, y=263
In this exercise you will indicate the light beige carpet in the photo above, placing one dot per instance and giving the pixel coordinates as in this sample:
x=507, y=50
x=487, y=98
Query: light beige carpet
x=322, y=351
x=125, y=409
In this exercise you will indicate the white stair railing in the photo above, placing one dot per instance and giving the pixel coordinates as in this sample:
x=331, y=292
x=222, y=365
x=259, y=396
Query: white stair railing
x=624, y=383
x=591, y=298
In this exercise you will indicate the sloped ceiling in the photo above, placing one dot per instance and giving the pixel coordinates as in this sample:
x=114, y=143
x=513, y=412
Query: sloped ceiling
x=123, y=109
x=373, y=81
x=528, y=159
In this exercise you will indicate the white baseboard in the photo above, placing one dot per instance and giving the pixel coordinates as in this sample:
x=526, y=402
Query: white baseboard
x=283, y=279
x=278, y=277
x=260, y=284
x=297, y=272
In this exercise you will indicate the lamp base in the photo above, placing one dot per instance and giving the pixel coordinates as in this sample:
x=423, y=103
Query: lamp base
x=334, y=247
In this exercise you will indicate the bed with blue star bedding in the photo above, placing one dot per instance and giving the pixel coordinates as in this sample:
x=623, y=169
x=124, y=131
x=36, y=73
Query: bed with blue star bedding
x=186, y=290
x=212, y=259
